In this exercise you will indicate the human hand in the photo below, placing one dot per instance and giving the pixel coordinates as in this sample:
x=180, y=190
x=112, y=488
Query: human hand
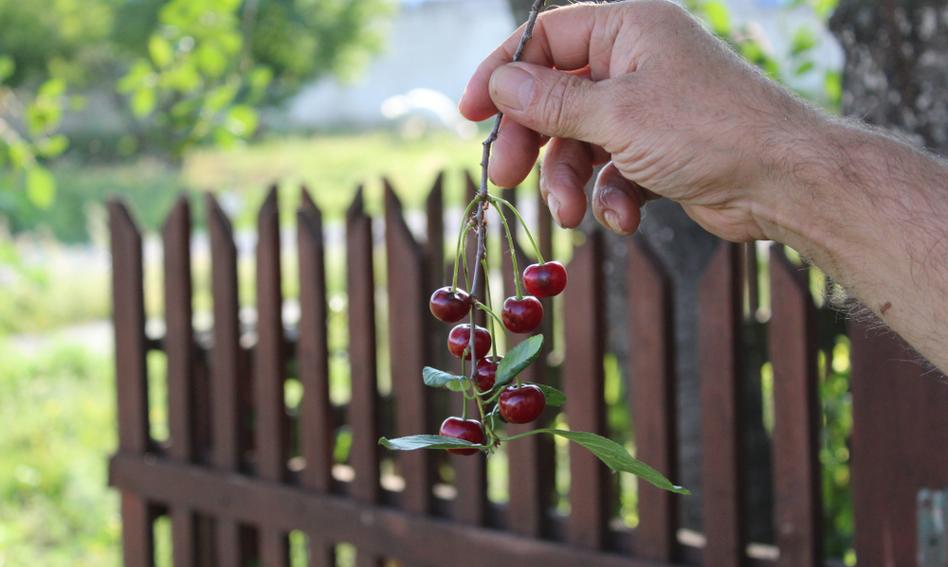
x=640, y=85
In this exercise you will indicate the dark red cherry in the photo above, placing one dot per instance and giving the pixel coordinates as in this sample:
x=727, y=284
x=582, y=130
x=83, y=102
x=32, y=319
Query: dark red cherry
x=522, y=315
x=450, y=305
x=467, y=429
x=545, y=280
x=486, y=372
x=521, y=404
x=460, y=338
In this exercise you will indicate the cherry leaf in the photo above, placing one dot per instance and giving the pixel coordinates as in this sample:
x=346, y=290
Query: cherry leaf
x=518, y=358
x=413, y=442
x=440, y=379
x=618, y=459
x=554, y=397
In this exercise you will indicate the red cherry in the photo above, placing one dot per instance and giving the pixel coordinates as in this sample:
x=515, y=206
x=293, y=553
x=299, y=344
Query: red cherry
x=450, y=305
x=486, y=372
x=521, y=404
x=460, y=338
x=545, y=280
x=467, y=429
x=522, y=315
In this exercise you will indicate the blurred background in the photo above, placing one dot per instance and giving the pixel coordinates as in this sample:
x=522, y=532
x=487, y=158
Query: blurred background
x=147, y=99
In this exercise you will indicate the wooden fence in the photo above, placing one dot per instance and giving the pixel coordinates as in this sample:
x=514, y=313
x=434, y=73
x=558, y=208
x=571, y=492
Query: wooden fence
x=239, y=471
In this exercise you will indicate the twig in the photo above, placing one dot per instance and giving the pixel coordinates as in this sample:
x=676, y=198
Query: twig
x=479, y=224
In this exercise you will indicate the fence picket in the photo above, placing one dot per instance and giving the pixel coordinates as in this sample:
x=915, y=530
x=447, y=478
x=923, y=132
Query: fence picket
x=792, y=338
x=225, y=364
x=128, y=316
x=270, y=420
x=530, y=457
x=364, y=405
x=653, y=399
x=407, y=321
x=583, y=384
x=316, y=428
x=179, y=348
x=719, y=340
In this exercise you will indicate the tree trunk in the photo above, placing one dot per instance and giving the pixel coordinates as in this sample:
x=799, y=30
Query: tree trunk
x=895, y=76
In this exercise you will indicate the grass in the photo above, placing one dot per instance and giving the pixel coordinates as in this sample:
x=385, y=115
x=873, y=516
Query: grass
x=57, y=415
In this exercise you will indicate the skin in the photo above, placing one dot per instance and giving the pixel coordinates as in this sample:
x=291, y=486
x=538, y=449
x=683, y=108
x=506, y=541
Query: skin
x=643, y=88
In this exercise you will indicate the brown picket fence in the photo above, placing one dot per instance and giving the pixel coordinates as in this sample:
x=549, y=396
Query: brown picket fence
x=239, y=471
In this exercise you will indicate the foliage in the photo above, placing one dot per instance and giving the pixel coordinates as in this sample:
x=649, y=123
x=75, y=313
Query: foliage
x=799, y=58
x=189, y=72
x=55, y=507
x=210, y=65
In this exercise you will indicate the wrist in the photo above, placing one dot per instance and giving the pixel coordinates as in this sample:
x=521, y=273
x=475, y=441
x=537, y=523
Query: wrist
x=816, y=187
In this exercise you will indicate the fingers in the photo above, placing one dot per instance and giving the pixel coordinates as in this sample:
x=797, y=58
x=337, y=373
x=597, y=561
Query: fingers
x=514, y=153
x=617, y=202
x=567, y=167
x=555, y=103
x=561, y=39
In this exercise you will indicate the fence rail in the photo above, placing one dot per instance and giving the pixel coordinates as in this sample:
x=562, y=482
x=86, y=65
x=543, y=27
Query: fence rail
x=240, y=471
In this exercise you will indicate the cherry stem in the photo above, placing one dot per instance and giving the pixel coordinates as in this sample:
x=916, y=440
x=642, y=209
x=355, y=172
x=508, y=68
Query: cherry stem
x=490, y=310
x=527, y=433
x=462, y=239
x=509, y=205
x=518, y=284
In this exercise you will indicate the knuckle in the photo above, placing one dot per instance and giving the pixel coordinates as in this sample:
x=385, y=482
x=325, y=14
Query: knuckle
x=559, y=106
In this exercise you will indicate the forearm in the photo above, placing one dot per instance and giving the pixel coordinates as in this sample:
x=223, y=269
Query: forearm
x=873, y=213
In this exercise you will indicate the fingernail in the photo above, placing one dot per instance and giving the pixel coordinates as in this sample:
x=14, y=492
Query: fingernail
x=511, y=87
x=612, y=220
x=554, y=207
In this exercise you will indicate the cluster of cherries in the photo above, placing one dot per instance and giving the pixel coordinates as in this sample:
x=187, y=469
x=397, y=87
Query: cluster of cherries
x=517, y=403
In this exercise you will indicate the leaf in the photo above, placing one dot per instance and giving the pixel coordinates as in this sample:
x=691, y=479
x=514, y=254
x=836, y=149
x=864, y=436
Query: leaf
x=716, y=13
x=162, y=54
x=53, y=146
x=40, y=186
x=440, y=379
x=618, y=459
x=143, y=102
x=554, y=397
x=7, y=67
x=413, y=442
x=518, y=358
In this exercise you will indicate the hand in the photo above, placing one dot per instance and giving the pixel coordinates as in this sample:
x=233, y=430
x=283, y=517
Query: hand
x=643, y=86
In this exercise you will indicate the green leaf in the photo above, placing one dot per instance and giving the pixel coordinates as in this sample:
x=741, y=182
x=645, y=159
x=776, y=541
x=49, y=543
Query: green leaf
x=162, y=54
x=716, y=13
x=554, y=397
x=143, y=102
x=242, y=120
x=440, y=379
x=520, y=357
x=413, y=442
x=618, y=459
x=53, y=146
x=7, y=67
x=40, y=186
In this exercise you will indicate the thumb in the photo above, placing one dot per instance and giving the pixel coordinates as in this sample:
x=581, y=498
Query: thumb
x=553, y=103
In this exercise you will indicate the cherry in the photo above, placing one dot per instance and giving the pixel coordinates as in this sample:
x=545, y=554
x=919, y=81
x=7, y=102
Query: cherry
x=467, y=429
x=450, y=304
x=545, y=280
x=486, y=372
x=521, y=404
x=522, y=315
x=460, y=338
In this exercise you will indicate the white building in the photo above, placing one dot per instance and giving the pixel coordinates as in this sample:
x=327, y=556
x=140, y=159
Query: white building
x=436, y=44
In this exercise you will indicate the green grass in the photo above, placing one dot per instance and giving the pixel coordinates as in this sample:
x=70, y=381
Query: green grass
x=332, y=166
x=57, y=414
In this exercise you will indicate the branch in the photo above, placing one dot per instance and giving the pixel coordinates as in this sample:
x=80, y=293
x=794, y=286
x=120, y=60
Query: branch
x=479, y=224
